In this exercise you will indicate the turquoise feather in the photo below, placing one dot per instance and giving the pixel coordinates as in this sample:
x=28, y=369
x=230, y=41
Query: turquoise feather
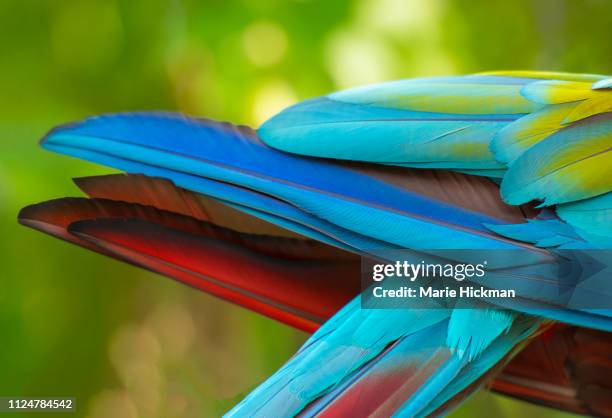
x=332, y=128
x=466, y=334
x=353, y=338
x=461, y=95
x=501, y=348
x=543, y=233
x=517, y=137
x=603, y=84
x=592, y=215
x=578, y=166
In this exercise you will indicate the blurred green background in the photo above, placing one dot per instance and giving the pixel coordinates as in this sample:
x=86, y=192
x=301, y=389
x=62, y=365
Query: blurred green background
x=126, y=342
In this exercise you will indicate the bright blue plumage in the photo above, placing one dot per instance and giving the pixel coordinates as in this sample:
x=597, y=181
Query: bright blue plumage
x=311, y=128
x=339, y=205
x=344, y=197
x=467, y=124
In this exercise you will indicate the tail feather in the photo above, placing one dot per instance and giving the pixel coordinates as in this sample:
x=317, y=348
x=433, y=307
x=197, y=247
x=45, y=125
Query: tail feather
x=261, y=272
x=163, y=194
x=397, y=372
x=199, y=155
x=251, y=278
x=345, y=205
x=567, y=368
x=409, y=371
x=538, y=374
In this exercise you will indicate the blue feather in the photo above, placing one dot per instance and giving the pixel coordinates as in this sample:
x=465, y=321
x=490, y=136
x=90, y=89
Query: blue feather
x=353, y=346
x=592, y=215
x=543, y=233
x=257, y=204
x=606, y=83
x=360, y=212
x=555, y=170
x=320, y=199
x=327, y=127
x=504, y=346
x=346, y=342
x=470, y=331
x=344, y=197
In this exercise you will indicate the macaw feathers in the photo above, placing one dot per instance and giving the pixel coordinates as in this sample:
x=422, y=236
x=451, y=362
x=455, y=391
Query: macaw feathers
x=201, y=242
x=357, y=208
x=329, y=128
x=603, y=84
x=411, y=361
x=363, y=125
x=277, y=220
x=567, y=368
x=567, y=102
x=578, y=165
x=592, y=215
x=546, y=134
x=514, y=139
x=469, y=342
x=587, y=100
x=472, y=95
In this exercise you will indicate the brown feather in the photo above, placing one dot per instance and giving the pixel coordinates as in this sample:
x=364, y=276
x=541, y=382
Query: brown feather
x=567, y=368
x=478, y=194
x=163, y=194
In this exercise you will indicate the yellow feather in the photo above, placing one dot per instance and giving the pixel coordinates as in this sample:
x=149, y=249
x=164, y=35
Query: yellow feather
x=519, y=136
x=600, y=103
x=565, y=92
x=546, y=75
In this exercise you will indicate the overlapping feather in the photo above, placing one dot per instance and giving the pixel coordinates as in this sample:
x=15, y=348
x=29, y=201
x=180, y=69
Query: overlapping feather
x=554, y=136
x=346, y=206
x=550, y=128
